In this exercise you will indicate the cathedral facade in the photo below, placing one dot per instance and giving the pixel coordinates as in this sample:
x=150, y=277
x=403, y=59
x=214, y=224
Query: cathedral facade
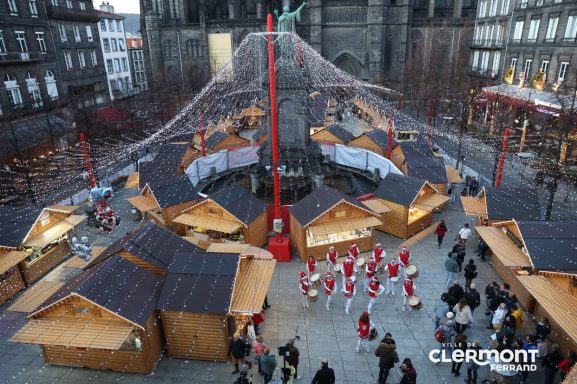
x=188, y=40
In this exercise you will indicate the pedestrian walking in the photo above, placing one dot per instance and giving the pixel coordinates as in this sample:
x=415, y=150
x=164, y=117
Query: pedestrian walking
x=451, y=267
x=409, y=372
x=543, y=329
x=325, y=375
x=243, y=378
x=257, y=320
x=408, y=291
x=330, y=286
x=292, y=357
x=268, y=365
x=460, y=344
x=312, y=265
x=363, y=331
x=490, y=293
x=350, y=291
x=392, y=276
x=378, y=254
x=447, y=329
x=387, y=354
x=441, y=308
x=470, y=273
x=482, y=249
x=354, y=250
x=457, y=291
x=472, y=366
x=404, y=260
x=567, y=364
x=463, y=316
x=332, y=256
x=459, y=254
x=517, y=317
x=304, y=286
x=473, y=186
x=370, y=271
x=375, y=289
x=349, y=269
x=499, y=317
x=550, y=363
x=464, y=234
x=258, y=346
x=237, y=350
x=464, y=192
x=441, y=231
x=473, y=297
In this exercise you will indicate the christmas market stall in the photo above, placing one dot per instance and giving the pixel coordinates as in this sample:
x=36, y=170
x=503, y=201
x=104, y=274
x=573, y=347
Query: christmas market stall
x=334, y=134
x=104, y=318
x=327, y=217
x=207, y=297
x=411, y=202
x=42, y=233
x=215, y=141
x=167, y=163
x=232, y=214
x=498, y=204
x=163, y=200
x=375, y=141
x=252, y=117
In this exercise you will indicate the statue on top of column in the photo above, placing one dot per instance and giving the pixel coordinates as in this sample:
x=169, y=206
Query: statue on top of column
x=287, y=21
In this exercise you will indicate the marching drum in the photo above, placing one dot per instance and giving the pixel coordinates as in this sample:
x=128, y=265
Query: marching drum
x=415, y=302
x=381, y=268
x=339, y=268
x=412, y=271
x=360, y=262
x=313, y=295
x=373, y=334
x=316, y=280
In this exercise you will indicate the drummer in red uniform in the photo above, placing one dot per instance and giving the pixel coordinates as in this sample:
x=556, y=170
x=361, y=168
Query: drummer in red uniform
x=365, y=325
x=312, y=265
x=349, y=268
x=375, y=289
x=408, y=291
x=378, y=253
x=332, y=256
x=354, y=250
x=350, y=291
x=370, y=271
x=330, y=285
x=304, y=286
x=393, y=276
x=404, y=260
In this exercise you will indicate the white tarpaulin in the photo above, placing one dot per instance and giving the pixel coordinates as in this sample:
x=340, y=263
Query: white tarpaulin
x=351, y=156
x=384, y=165
x=243, y=156
x=200, y=168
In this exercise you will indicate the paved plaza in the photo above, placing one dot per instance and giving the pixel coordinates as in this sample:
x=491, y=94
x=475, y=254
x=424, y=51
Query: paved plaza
x=323, y=334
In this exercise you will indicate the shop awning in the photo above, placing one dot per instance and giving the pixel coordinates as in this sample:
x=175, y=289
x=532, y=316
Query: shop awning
x=35, y=296
x=560, y=305
x=213, y=223
x=503, y=248
x=132, y=181
x=453, y=175
x=83, y=332
x=243, y=249
x=376, y=206
x=143, y=203
x=343, y=225
x=10, y=259
x=63, y=208
x=474, y=206
x=431, y=202
x=53, y=233
x=251, y=285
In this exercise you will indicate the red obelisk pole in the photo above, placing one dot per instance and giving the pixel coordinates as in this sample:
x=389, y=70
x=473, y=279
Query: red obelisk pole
x=89, y=170
x=502, y=159
x=390, y=137
x=400, y=102
x=201, y=131
x=274, y=121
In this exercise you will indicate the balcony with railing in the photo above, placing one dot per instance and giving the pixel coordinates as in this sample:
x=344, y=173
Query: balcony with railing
x=65, y=13
x=484, y=73
x=487, y=43
x=21, y=57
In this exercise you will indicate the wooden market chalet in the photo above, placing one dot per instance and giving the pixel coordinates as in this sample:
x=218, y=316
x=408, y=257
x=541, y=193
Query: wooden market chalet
x=144, y=293
x=498, y=204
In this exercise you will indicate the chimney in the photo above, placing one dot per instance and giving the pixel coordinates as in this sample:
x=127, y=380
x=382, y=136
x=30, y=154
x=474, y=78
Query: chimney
x=106, y=7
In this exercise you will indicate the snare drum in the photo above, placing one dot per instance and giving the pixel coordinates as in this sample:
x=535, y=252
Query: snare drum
x=394, y=279
x=412, y=271
x=360, y=262
x=415, y=302
x=381, y=268
x=339, y=268
x=316, y=280
x=373, y=334
x=313, y=295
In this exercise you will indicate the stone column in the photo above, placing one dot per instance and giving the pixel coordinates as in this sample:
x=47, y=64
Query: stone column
x=431, y=9
x=457, y=8
x=375, y=39
x=315, y=11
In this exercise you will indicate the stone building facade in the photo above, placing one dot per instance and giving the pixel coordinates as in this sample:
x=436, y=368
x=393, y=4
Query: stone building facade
x=371, y=39
x=136, y=60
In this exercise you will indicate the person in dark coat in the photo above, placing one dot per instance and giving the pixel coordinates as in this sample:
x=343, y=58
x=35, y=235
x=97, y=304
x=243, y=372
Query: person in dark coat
x=482, y=249
x=473, y=297
x=293, y=357
x=325, y=375
x=470, y=273
x=550, y=363
x=459, y=254
x=543, y=329
x=387, y=354
x=409, y=372
x=457, y=291
x=237, y=349
x=490, y=293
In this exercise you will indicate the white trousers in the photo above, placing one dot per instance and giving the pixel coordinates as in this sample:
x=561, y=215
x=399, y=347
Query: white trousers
x=391, y=286
x=348, y=304
x=344, y=282
x=304, y=301
x=405, y=299
x=329, y=301
x=371, y=304
x=366, y=283
x=364, y=343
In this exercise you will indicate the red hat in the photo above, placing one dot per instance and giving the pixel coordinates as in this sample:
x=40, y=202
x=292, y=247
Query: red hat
x=353, y=242
x=409, y=278
x=329, y=274
x=376, y=278
x=379, y=245
x=302, y=274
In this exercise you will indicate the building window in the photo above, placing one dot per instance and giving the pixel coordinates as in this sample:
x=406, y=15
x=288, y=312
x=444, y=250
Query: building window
x=51, y=87
x=68, y=61
x=103, y=25
x=12, y=7
x=124, y=64
x=63, y=37
x=484, y=61
x=493, y=8
x=524, y=4
x=21, y=39
x=113, y=45
x=527, y=68
x=106, y=45
x=81, y=59
x=69, y=3
x=41, y=42
x=111, y=25
x=117, y=65
x=89, y=33
x=93, y=58
x=544, y=68
x=33, y=8
x=121, y=45
x=13, y=91
x=119, y=25
x=193, y=46
x=533, y=30
x=77, y=36
x=571, y=30
x=482, y=8
x=2, y=45
x=83, y=6
x=518, y=31
x=552, y=29
x=109, y=66
x=34, y=90
x=168, y=49
x=563, y=67
x=54, y=2
x=514, y=65
x=496, y=61
x=505, y=7
x=475, y=63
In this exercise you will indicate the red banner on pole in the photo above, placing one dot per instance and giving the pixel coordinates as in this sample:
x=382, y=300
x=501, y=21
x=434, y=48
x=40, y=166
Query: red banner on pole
x=502, y=158
x=274, y=118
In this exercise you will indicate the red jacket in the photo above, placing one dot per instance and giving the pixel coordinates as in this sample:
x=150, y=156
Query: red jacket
x=311, y=264
x=329, y=286
x=409, y=288
x=393, y=269
x=364, y=329
x=404, y=257
x=378, y=254
x=441, y=230
x=348, y=268
x=354, y=251
x=349, y=289
x=374, y=289
x=371, y=269
x=305, y=285
x=332, y=256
